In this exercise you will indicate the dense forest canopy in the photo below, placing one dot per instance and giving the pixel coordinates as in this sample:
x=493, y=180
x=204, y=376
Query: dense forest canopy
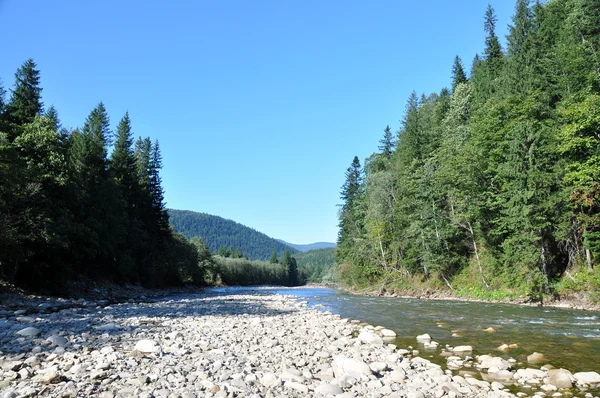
x=493, y=183
x=82, y=202
x=221, y=235
x=317, y=265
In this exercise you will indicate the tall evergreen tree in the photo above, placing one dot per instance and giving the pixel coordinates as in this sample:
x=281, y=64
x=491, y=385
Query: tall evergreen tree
x=458, y=73
x=161, y=216
x=52, y=114
x=26, y=98
x=493, y=49
x=387, y=142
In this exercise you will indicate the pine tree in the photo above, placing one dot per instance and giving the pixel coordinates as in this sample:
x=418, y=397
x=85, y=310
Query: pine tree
x=26, y=99
x=387, y=142
x=458, y=73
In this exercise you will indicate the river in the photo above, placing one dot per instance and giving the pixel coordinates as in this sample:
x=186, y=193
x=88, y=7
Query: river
x=568, y=338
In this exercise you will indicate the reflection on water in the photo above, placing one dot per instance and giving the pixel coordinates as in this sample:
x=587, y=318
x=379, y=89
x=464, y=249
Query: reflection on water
x=568, y=338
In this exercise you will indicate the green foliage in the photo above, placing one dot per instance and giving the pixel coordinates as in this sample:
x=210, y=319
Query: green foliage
x=317, y=265
x=26, y=99
x=493, y=190
x=219, y=232
x=244, y=272
x=68, y=210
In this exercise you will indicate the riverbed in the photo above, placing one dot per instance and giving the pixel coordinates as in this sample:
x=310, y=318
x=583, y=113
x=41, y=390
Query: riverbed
x=568, y=338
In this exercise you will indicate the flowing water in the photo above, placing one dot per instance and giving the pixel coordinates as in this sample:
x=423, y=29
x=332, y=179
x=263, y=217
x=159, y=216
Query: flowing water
x=568, y=338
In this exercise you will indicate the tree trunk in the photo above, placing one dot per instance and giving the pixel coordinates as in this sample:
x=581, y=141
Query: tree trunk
x=588, y=258
x=477, y=255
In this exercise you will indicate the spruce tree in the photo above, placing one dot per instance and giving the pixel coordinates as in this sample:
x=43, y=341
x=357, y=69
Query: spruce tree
x=160, y=214
x=493, y=49
x=387, y=142
x=458, y=73
x=351, y=186
x=122, y=164
x=52, y=114
x=26, y=99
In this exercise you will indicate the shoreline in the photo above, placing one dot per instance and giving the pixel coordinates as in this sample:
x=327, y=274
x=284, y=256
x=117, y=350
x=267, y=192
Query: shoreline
x=567, y=302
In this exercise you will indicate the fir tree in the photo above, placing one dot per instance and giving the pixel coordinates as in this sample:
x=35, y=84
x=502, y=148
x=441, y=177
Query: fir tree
x=458, y=73
x=387, y=142
x=26, y=99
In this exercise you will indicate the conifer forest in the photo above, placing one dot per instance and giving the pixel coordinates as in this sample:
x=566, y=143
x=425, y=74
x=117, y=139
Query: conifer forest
x=492, y=184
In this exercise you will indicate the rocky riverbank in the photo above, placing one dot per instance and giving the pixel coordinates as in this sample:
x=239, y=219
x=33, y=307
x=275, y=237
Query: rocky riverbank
x=222, y=344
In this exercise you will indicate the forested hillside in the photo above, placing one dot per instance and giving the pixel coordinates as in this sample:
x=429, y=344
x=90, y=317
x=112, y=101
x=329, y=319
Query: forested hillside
x=317, y=265
x=309, y=246
x=492, y=184
x=68, y=208
x=234, y=239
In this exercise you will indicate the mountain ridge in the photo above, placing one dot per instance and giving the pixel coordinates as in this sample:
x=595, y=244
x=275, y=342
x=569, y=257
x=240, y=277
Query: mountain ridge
x=309, y=246
x=217, y=231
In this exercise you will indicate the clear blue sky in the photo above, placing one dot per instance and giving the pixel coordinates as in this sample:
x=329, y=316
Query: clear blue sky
x=259, y=106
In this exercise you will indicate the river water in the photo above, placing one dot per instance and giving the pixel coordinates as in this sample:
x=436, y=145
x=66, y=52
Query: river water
x=568, y=338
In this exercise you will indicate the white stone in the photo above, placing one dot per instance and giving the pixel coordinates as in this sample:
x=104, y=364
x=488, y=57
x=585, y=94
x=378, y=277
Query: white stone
x=147, y=346
x=462, y=348
x=378, y=367
x=328, y=389
x=587, y=377
x=424, y=337
x=343, y=365
x=29, y=332
x=370, y=338
x=388, y=333
x=269, y=380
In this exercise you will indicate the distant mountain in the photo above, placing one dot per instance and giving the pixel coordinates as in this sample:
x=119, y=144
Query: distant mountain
x=309, y=246
x=217, y=231
x=317, y=265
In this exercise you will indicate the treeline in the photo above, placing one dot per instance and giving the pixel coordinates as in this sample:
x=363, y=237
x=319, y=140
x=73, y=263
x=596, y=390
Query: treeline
x=68, y=208
x=493, y=184
x=219, y=232
x=317, y=265
x=241, y=271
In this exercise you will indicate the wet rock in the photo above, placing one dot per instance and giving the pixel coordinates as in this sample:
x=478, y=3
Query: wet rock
x=388, y=333
x=462, y=348
x=424, y=337
x=536, y=357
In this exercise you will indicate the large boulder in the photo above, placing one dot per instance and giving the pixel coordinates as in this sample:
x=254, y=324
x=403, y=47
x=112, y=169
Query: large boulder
x=353, y=367
x=560, y=378
x=370, y=338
